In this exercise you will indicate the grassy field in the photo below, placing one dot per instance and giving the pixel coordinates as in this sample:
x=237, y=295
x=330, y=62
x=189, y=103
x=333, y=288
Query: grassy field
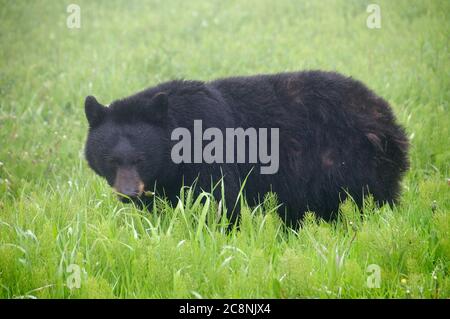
x=55, y=213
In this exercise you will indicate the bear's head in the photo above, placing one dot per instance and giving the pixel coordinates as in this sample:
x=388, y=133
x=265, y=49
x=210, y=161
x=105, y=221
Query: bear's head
x=128, y=143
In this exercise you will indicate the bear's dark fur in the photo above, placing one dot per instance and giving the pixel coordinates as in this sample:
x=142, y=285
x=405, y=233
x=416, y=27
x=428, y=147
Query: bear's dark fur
x=336, y=137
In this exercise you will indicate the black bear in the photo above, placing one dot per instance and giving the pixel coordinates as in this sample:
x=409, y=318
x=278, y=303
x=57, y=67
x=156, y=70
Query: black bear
x=311, y=137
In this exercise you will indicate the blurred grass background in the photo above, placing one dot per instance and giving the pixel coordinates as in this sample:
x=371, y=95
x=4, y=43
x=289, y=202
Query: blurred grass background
x=54, y=211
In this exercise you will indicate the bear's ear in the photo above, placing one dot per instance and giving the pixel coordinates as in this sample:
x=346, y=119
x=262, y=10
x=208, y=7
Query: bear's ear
x=95, y=112
x=158, y=107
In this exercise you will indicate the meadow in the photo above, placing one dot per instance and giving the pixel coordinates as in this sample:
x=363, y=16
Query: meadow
x=63, y=234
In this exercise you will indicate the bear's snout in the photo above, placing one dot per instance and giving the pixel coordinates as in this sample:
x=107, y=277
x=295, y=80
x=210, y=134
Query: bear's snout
x=128, y=183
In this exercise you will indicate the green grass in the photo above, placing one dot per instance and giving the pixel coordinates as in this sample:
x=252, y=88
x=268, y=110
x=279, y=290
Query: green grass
x=54, y=212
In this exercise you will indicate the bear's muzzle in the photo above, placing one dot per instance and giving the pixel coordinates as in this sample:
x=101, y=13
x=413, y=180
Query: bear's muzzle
x=128, y=184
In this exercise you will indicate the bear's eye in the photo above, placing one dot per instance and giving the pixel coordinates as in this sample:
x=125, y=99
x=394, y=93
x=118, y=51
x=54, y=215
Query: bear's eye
x=113, y=161
x=137, y=161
